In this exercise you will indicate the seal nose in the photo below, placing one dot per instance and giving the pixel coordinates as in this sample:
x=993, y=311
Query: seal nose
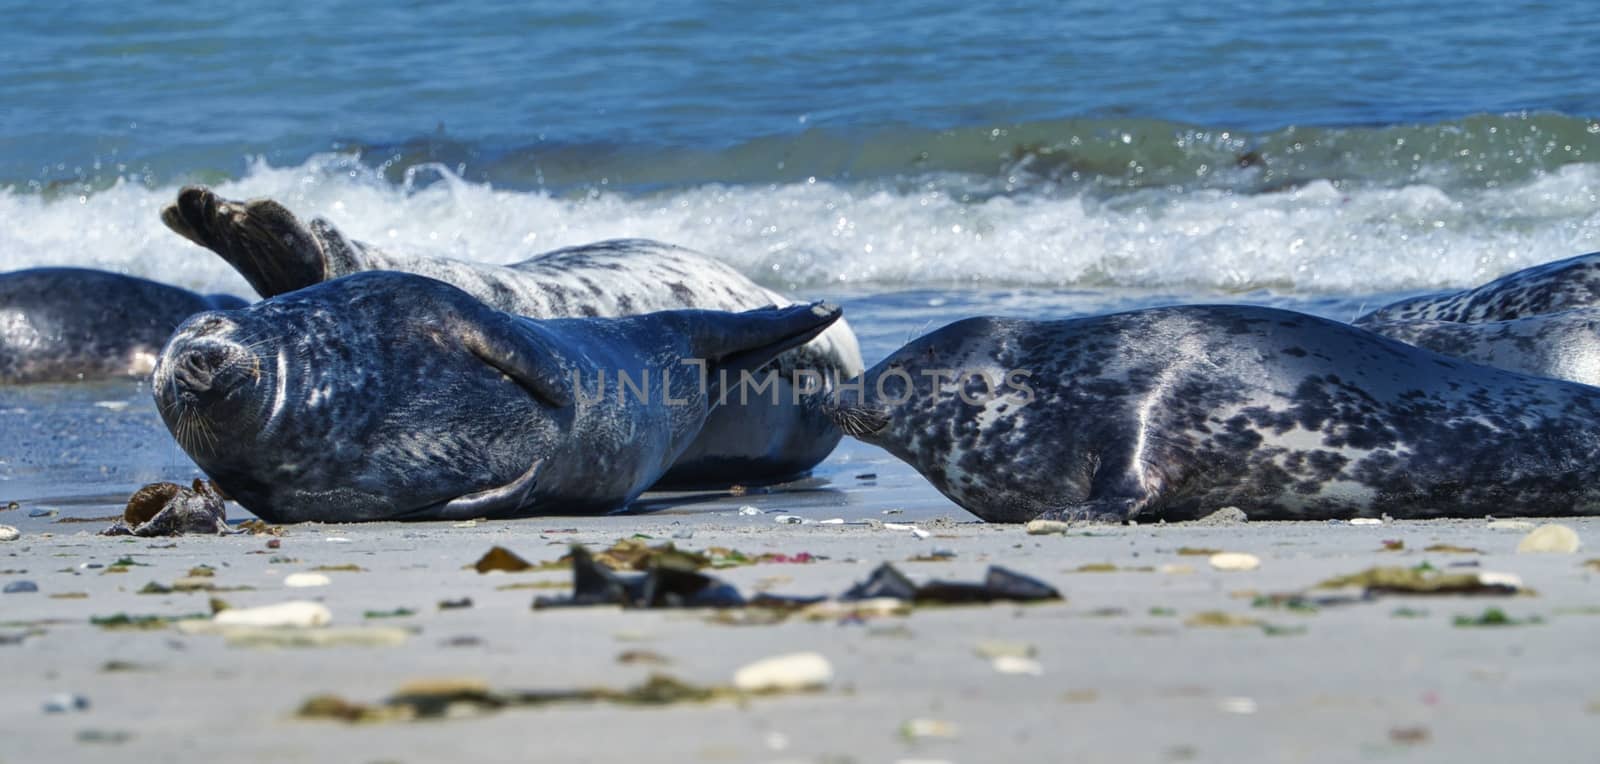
x=196, y=370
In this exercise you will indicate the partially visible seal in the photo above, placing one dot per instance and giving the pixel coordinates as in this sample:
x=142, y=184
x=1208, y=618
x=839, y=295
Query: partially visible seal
x=746, y=441
x=387, y=395
x=1177, y=412
x=1548, y=288
x=1563, y=345
x=72, y=324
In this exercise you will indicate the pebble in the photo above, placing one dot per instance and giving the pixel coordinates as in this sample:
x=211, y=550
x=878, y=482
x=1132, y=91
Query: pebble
x=337, y=540
x=1016, y=664
x=1047, y=527
x=298, y=614
x=300, y=580
x=1365, y=521
x=8, y=533
x=64, y=702
x=784, y=673
x=1550, y=538
x=21, y=587
x=915, y=531
x=788, y=519
x=831, y=521
x=749, y=511
x=1234, y=561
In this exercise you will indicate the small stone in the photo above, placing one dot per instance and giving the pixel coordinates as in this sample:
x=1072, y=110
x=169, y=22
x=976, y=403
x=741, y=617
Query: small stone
x=21, y=587
x=41, y=512
x=1234, y=561
x=1047, y=527
x=65, y=702
x=784, y=673
x=337, y=540
x=1365, y=521
x=301, y=580
x=298, y=614
x=274, y=543
x=1554, y=538
x=749, y=511
x=789, y=519
x=1016, y=664
x=831, y=521
x=8, y=533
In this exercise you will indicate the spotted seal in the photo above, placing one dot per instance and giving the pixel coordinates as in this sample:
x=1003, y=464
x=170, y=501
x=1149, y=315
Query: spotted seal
x=749, y=441
x=386, y=395
x=73, y=324
x=1548, y=288
x=1176, y=412
x=1562, y=345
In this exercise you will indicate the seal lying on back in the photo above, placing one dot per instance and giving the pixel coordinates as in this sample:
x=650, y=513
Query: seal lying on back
x=392, y=396
x=1176, y=412
x=1548, y=288
x=72, y=324
x=752, y=440
x=1564, y=345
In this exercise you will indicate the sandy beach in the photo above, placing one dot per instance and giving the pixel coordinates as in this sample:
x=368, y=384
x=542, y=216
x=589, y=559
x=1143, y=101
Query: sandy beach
x=1163, y=658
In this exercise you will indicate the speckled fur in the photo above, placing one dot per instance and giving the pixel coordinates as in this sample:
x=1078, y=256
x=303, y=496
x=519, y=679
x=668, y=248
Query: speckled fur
x=751, y=443
x=1564, y=345
x=1549, y=288
x=71, y=324
x=1176, y=412
x=385, y=396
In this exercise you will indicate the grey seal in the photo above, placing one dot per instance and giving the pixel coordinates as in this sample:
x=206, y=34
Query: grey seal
x=385, y=395
x=1561, y=345
x=73, y=324
x=1549, y=288
x=746, y=441
x=1177, y=412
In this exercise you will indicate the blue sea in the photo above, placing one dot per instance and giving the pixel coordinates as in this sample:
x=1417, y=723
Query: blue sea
x=920, y=161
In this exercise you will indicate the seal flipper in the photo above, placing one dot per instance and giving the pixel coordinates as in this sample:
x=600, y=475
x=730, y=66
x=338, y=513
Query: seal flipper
x=523, y=352
x=1117, y=510
x=502, y=500
x=261, y=239
x=747, y=341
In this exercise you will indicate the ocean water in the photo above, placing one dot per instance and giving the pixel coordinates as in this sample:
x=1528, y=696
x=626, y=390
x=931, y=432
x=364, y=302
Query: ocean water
x=921, y=161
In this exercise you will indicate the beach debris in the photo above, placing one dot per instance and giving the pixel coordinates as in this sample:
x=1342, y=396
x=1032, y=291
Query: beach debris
x=1004, y=648
x=1224, y=516
x=20, y=587
x=348, y=567
x=1234, y=561
x=831, y=521
x=1047, y=527
x=1220, y=619
x=792, y=672
x=1494, y=617
x=42, y=512
x=168, y=509
x=1593, y=564
x=501, y=559
x=789, y=520
x=399, y=612
x=306, y=580
x=66, y=702
x=463, y=698
x=924, y=729
x=272, y=637
x=1425, y=580
x=299, y=614
x=1508, y=525
x=1553, y=537
x=1365, y=521
x=1451, y=549
x=456, y=604
x=1191, y=551
x=749, y=511
x=663, y=585
x=8, y=533
x=125, y=622
x=998, y=585
x=1016, y=664
x=642, y=658
x=915, y=531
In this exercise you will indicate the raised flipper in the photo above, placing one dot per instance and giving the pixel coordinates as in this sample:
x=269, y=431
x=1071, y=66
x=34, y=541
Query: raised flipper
x=503, y=500
x=261, y=239
x=747, y=341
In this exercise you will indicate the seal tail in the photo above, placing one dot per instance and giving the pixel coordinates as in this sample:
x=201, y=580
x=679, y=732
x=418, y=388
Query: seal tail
x=261, y=239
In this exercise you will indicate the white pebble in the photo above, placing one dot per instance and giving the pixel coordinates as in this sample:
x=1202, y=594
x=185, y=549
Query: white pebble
x=784, y=673
x=915, y=531
x=1046, y=527
x=297, y=614
x=789, y=520
x=831, y=521
x=299, y=580
x=1016, y=664
x=8, y=533
x=1234, y=561
x=337, y=540
x=749, y=511
x=1365, y=521
x=1550, y=538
